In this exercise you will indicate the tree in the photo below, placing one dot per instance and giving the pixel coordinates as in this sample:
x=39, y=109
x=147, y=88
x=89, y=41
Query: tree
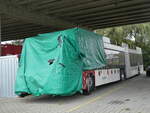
x=138, y=33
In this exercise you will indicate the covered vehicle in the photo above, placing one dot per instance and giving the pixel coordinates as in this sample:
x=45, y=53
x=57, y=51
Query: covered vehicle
x=52, y=63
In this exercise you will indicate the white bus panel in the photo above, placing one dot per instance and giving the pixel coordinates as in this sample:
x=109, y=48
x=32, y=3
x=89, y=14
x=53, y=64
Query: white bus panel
x=104, y=76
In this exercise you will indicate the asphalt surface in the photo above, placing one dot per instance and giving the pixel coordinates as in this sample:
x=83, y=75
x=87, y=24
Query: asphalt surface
x=129, y=96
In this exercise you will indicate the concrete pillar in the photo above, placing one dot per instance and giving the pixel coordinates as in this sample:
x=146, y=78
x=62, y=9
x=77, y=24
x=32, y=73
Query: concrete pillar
x=0, y=35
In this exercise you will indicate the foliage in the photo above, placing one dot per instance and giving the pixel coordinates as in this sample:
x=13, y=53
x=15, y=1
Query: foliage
x=137, y=34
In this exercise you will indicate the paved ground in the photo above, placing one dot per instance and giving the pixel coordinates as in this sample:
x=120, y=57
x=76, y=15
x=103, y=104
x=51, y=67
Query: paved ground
x=130, y=96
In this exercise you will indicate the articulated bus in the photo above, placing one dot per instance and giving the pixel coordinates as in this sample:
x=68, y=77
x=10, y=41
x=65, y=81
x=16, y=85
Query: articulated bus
x=73, y=60
x=122, y=63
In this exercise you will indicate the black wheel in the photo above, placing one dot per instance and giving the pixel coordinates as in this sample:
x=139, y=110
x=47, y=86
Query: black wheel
x=122, y=74
x=90, y=84
x=148, y=73
x=23, y=95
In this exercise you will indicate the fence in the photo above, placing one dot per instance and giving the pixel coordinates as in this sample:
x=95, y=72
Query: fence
x=8, y=69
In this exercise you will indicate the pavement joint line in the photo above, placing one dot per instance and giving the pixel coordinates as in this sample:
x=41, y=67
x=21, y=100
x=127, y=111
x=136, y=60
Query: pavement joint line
x=95, y=99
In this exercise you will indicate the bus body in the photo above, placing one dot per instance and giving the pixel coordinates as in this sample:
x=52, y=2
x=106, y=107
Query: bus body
x=122, y=63
x=65, y=62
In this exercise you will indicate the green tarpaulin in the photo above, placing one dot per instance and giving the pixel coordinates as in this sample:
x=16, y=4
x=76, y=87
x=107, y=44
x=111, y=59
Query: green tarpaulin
x=52, y=63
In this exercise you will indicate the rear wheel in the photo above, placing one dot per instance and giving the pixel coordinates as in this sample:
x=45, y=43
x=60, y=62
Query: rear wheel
x=90, y=84
x=148, y=73
x=122, y=74
x=24, y=94
x=139, y=70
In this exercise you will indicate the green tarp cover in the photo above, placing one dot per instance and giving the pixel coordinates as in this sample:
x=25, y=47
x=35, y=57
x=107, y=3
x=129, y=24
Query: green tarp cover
x=52, y=63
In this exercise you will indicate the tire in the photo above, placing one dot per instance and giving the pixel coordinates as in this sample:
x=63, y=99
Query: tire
x=148, y=73
x=90, y=84
x=23, y=95
x=122, y=74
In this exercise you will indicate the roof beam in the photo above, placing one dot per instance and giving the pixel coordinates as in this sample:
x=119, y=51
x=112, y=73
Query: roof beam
x=13, y=24
x=117, y=12
x=34, y=33
x=25, y=15
x=62, y=4
x=117, y=21
x=104, y=10
x=22, y=36
x=20, y=26
x=26, y=1
x=81, y=7
x=26, y=29
x=121, y=22
x=25, y=34
x=143, y=13
x=36, y=2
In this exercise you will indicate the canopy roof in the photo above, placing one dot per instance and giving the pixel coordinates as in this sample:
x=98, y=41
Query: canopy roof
x=24, y=18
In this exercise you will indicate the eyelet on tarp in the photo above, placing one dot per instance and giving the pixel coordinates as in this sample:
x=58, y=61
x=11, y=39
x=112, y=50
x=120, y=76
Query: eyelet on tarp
x=51, y=61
